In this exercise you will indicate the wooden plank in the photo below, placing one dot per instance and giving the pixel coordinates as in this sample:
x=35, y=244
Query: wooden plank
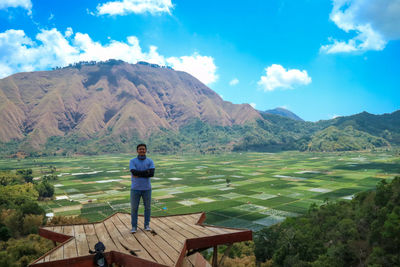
x=70, y=250
x=193, y=217
x=148, y=244
x=200, y=228
x=104, y=237
x=129, y=241
x=190, y=228
x=178, y=228
x=57, y=229
x=81, y=241
x=187, y=263
x=163, y=245
x=223, y=230
x=114, y=234
x=175, y=239
x=91, y=236
x=216, y=229
x=57, y=254
x=47, y=258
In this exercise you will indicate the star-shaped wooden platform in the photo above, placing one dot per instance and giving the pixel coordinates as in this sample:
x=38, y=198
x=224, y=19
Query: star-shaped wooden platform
x=171, y=241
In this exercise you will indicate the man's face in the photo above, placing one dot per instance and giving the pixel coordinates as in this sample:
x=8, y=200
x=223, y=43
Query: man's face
x=141, y=151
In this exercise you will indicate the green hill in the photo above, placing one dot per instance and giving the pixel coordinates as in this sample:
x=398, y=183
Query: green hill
x=335, y=139
x=386, y=125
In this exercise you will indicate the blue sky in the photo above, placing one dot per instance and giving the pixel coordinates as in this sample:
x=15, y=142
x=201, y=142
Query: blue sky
x=317, y=58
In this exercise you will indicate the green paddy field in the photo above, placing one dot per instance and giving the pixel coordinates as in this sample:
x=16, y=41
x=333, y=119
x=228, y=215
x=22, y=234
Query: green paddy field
x=245, y=190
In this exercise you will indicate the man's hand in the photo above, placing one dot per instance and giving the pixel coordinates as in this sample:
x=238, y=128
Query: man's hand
x=146, y=174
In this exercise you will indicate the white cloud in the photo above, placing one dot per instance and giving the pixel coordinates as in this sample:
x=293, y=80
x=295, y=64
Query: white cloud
x=375, y=22
x=201, y=67
x=253, y=105
x=278, y=77
x=234, y=82
x=125, y=7
x=19, y=53
x=68, y=32
x=26, y=4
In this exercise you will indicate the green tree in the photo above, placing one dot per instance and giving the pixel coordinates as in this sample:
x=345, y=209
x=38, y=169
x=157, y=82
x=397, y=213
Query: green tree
x=21, y=252
x=26, y=174
x=45, y=189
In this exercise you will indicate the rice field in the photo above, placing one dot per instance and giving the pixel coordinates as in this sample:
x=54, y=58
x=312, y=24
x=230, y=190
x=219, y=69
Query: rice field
x=245, y=190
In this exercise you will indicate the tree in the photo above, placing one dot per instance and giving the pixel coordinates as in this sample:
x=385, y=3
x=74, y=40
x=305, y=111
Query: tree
x=45, y=189
x=26, y=174
x=21, y=252
x=364, y=231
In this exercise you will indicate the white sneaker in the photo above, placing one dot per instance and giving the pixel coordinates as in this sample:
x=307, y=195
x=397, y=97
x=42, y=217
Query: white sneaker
x=147, y=228
x=133, y=230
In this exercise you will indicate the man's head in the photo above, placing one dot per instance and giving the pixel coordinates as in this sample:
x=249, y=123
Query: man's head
x=141, y=149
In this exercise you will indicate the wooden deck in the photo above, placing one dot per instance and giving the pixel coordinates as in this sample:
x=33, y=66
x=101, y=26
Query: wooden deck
x=173, y=238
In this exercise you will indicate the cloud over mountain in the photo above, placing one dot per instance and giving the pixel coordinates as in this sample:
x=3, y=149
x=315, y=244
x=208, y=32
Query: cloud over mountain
x=277, y=77
x=50, y=48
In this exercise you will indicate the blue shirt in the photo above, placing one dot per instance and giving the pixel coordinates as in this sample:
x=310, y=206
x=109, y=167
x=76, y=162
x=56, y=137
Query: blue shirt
x=141, y=183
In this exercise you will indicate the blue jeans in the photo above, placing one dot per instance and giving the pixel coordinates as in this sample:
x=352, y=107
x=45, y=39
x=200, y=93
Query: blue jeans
x=135, y=200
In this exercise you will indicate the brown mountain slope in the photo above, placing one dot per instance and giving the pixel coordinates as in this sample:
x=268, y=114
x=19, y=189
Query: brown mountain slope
x=108, y=98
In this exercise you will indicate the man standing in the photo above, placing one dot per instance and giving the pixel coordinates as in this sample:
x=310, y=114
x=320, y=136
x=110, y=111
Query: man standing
x=142, y=168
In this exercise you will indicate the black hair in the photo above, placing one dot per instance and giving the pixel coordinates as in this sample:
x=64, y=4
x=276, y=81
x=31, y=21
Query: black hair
x=139, y=145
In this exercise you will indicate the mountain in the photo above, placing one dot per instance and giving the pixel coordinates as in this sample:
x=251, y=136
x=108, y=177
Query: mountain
x=109, y=98
x=110, y=106
x=284, y=113
x=386, y=125
x=334, y=139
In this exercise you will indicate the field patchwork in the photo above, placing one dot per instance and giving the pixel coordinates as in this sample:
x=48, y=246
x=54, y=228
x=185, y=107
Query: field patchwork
x=245, y=190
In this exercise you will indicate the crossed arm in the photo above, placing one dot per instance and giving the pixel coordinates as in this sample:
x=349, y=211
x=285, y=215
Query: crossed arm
x=147, y=173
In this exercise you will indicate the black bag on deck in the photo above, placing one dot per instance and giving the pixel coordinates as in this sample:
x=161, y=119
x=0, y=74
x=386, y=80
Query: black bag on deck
x=99, y=259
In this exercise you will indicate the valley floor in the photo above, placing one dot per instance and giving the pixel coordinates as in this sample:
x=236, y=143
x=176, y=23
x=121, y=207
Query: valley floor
x=245, y=190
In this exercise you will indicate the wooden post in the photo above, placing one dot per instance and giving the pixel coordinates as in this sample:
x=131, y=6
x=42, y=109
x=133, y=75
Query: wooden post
x=215, y=257
x=227, y=250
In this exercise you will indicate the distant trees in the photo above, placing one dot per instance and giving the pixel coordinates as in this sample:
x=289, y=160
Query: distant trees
x=26, y=174
x=335, y=139
x=22, y=251
x=45, y=189
x=20, y=218
x=269, y=133
x=19, y=211
x=9, y=178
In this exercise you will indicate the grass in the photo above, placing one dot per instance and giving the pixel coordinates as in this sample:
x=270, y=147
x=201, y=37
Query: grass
x=263, y=188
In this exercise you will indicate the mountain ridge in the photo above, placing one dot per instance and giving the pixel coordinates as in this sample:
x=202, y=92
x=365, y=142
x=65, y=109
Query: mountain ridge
x=92, y=98
x=283, y=112
x=110, y=106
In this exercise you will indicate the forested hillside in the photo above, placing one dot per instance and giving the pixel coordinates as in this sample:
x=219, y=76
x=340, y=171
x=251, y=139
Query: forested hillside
x=362, y=232
x=21, y=216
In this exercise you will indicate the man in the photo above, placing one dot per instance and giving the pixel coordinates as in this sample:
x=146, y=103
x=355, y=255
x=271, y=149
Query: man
x=142, y=168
